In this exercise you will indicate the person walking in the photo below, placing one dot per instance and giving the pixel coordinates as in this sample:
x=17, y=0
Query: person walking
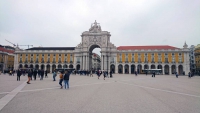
x=61, y=80
x=35, y=74
x=189, y=75
x=176, y=75
x=46, y=76
x=54, y=75
x=66, y=79
x=29, y=76
x=42, y=74
x=18, y=74
x=110, y=74
x=91, y=73
x=104, y=74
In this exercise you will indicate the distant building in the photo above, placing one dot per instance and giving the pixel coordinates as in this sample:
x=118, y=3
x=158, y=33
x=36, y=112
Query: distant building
x=123, y=59
x=6, y=58
x=197, y=57
x=192, y=59
x=96, y=61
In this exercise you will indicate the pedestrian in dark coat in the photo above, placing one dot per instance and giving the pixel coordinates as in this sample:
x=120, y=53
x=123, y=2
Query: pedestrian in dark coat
x=30, y=73
x=35, y=74
x=18, y=74
x=46, y=74
x=66, y=79
x=42, y=74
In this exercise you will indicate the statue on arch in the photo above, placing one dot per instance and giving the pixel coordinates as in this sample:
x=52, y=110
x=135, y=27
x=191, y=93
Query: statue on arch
x=95, y=27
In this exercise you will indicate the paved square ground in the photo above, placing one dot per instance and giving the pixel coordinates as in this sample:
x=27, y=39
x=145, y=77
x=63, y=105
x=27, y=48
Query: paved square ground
x=124, y=93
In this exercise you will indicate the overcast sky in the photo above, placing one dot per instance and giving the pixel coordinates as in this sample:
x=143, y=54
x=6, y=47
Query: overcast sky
x=59, y=23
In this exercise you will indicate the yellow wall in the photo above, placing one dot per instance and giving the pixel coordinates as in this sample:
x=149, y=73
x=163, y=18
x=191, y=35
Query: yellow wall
x=156, y=57
x=163, y=57
x=142, y=57
x=123, y=57
x=136, y=57
x=170, y=57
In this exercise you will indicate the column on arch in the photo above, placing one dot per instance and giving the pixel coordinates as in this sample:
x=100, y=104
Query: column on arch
x=86, y=57
x=163, y=69
x=170, y=69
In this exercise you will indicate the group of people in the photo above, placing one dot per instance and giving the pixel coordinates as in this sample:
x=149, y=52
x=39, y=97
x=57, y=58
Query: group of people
x=33, y=74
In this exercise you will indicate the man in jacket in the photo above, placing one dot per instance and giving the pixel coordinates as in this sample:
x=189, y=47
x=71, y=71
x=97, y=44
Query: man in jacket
x=18, y=74
x=66, y=79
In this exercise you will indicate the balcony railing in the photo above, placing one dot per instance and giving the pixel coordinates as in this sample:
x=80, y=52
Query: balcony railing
x=59, y=62
x=36, y=62
x=160, y=62
x=48, y=61
x=42, y=61
x=180, y=62
x=78, y=62
x=71, y=61
x=31, y=61
x=65, y=62
x=26, y=61
x=152, y=62
x=173, y=62
x=120, y=61
x=166, y=62
x=132, y=61
x=54, y=62
x=126, y=61
x=139, y=62
x=112, y=61
x=20, y=61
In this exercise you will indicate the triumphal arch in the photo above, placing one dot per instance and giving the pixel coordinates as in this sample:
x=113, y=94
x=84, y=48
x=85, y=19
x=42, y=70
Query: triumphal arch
x=95, y=38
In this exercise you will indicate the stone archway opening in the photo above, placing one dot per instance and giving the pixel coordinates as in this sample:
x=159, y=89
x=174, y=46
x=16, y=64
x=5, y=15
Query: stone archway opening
x=48, y=68
x=112, y=68
x=94, y=58
x=120, y=69
x=132, y=69
x=37, y=66
x=180, y=70
x=78, y=67
x=173, y=69
x=139, y=69
x=126, y=69
x=166, y=70
x=53, y=67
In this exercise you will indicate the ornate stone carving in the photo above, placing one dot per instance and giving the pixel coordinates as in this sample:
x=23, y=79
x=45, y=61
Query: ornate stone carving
x=95, y=28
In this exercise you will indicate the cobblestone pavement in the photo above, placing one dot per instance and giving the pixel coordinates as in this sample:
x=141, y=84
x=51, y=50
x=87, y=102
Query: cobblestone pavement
x=122, y=94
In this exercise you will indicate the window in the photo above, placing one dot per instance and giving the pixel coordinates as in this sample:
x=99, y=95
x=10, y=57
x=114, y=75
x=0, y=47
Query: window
x=59, y=54
x=42, y=54
x=20, y=54
x=179, y=54
x=132, y=54
x=48, y=54
x=65, y=54
x=54, y=54
x=31, y=54
x=37, y=54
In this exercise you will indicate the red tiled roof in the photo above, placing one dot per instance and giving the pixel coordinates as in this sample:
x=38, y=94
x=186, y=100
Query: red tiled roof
x=165, y=47
x=6, y=50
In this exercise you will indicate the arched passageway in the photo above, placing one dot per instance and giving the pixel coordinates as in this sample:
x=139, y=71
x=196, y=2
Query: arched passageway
x=132, y=68
x=173, y=69
x=71, y=66
x=120, y=69
x=112, y=68
x=166, y=69
x=180, y=70
x=126, y=69
x=53, y=67
x=139, y=69
x=78, y=67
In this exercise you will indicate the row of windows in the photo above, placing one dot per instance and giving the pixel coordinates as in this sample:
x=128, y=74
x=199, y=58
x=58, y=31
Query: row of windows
x=43, y=54
x=151, y=54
